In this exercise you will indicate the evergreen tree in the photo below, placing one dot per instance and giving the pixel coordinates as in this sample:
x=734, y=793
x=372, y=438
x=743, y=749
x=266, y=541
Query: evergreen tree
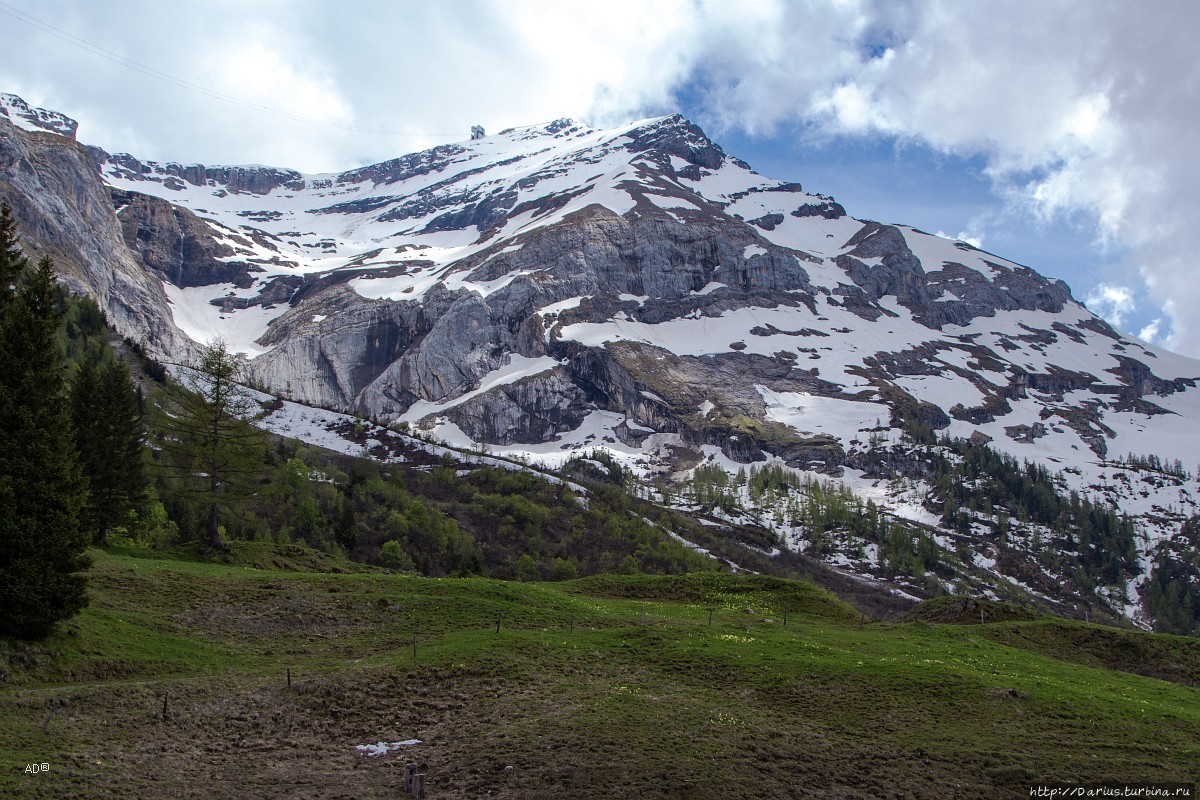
x=42, y=550
x=346, y=530
x=214, y=447
x=12, y=261
x=108, y=434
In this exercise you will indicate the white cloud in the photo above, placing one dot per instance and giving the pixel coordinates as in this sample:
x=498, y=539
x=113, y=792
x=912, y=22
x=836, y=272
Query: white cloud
x=1111, y=302
x=975, y=240
x=1082, y=110
x=1150, y=332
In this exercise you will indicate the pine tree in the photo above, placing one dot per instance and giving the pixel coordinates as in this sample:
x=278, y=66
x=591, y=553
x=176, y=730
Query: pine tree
x=108, y=434
x=214, y=447
x=42, y=550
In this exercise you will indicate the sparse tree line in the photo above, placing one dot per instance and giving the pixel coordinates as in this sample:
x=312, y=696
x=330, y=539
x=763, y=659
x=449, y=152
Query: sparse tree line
x=431, y=518
x=434, y=518
x=971, y=485
x=829, y=513
x=1172, y=592
x=975, y=483
x=1153, y=463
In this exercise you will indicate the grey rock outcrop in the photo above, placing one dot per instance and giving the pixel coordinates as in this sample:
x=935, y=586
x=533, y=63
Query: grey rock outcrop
x=675, y=136
x=401, y=169
x=462, y=346
x=827, y=210
x=176, y=244
x=330, y=348
x=596, y=251
x=439, y=349
x=252, y=179
x=529, y=411
x=901, y=274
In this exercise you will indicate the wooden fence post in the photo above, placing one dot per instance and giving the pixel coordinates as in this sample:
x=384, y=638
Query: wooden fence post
x=410, y=770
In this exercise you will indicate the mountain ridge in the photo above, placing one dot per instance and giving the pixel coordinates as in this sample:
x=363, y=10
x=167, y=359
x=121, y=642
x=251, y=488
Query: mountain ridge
x=556, y=288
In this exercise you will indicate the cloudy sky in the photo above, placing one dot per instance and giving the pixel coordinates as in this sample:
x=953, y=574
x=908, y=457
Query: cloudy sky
x=1059, y=134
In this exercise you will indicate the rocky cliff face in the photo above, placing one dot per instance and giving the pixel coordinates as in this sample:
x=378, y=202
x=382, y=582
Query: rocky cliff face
x=64, y=211
x=176, y=245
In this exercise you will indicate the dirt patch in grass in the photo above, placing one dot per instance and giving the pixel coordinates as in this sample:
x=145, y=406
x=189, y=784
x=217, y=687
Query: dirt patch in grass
x=580, y=724
x=616, y=732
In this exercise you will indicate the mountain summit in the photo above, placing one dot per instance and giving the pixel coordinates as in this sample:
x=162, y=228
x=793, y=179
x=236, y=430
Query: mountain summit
x=557, y=289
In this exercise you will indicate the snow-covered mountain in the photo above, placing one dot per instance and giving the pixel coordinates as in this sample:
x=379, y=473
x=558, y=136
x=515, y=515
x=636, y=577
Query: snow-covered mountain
x=555, y=289
x=28, y=118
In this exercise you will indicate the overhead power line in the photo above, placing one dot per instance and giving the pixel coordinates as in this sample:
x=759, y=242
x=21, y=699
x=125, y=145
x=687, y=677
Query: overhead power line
x=128, y=63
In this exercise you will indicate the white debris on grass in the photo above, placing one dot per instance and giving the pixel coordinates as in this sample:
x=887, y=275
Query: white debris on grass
x=383, y=748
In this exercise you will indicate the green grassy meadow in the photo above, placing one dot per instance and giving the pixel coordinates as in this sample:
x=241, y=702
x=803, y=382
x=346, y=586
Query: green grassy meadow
x=173, y=683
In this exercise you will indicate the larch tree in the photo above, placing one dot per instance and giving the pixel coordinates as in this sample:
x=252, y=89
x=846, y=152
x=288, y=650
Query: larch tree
x=215, y=449
x=42, y=550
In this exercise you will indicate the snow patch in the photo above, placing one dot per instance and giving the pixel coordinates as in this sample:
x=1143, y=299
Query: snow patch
x=710, y=287
x=383, y=748
x=202, y=321
x=810, y=413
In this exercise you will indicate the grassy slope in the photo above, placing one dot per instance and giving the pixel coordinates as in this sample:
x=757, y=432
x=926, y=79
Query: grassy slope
x=575, y=693
x=1171, y=658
